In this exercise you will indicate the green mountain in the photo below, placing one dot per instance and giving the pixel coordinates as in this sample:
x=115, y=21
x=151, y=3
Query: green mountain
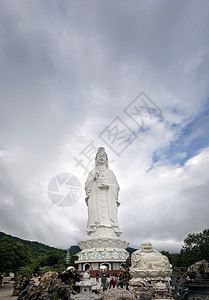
x=131, y=250
x=74, y=250
x=36, y=248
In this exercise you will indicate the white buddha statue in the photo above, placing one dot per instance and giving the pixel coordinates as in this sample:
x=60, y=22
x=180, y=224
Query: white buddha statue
x=147, y=262
x=102, y=199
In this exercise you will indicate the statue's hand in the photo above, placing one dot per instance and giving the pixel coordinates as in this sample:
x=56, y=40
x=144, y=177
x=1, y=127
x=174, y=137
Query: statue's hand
x=88, y=193
x=96, y=176
x=104, y=186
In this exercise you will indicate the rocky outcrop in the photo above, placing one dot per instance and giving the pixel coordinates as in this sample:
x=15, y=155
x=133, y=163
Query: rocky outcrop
x=49, y=288
x=199, y=270
x=151, y=288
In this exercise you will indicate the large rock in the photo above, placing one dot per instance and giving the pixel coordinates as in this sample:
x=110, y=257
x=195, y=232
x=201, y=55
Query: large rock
x=200, y=270
x=49, y=288
x=198, y=287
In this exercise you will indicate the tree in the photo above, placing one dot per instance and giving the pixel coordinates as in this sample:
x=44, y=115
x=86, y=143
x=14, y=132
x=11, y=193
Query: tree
x=73, y=258
x=172, y=257
x=13, y=255
x=51, y=258
x=196, y=248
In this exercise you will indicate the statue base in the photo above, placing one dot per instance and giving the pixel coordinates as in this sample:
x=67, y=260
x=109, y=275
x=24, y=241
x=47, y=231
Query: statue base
x=103, y=243
x=151, y=288
x=102, y=251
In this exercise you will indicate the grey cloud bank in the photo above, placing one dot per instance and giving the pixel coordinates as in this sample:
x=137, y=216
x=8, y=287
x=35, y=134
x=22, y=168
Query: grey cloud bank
x=68, y=69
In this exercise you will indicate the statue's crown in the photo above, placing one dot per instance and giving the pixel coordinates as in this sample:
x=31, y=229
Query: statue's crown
x=101, y=149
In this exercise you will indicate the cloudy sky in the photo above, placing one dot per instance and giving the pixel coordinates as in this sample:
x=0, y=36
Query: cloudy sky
x=131, y=76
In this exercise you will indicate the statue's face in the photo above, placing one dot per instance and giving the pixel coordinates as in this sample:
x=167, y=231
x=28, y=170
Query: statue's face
x=101, y=157
x=146, y=247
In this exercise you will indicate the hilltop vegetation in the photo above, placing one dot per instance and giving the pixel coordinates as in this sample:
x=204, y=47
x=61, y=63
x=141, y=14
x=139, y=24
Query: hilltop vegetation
x=36, y=248
x=28, y=257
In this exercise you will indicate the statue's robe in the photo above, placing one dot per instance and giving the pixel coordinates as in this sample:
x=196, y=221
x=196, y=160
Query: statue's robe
x=102, y=196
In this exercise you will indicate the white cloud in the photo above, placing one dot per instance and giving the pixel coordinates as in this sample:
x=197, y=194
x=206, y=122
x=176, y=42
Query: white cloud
x=69, y=69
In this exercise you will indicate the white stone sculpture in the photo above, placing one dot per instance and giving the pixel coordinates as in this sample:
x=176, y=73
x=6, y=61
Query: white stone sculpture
x=147, y=262
x=103, y=244
x=105, y=254
x=102, y=199
x=86, y=289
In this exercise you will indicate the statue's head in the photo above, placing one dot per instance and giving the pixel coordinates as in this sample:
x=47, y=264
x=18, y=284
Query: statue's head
x=101, y=157
x=146, y=247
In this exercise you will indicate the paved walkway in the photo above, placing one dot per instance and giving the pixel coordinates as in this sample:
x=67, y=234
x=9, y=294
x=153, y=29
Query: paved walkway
x=6, y=289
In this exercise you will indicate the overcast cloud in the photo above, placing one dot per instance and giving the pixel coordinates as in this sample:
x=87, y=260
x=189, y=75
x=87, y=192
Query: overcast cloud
x=67, y=70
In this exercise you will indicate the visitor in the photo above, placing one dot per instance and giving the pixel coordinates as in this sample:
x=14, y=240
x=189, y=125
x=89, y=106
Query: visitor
x=120, y=282
x=32, y=282
x=24, y=283
x=112, y=282
x=97, y=277
x=106, y=284
x=103, y=281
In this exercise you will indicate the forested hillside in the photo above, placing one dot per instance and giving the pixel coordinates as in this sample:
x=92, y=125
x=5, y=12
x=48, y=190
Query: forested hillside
x=18, y=255
x=36, y=248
